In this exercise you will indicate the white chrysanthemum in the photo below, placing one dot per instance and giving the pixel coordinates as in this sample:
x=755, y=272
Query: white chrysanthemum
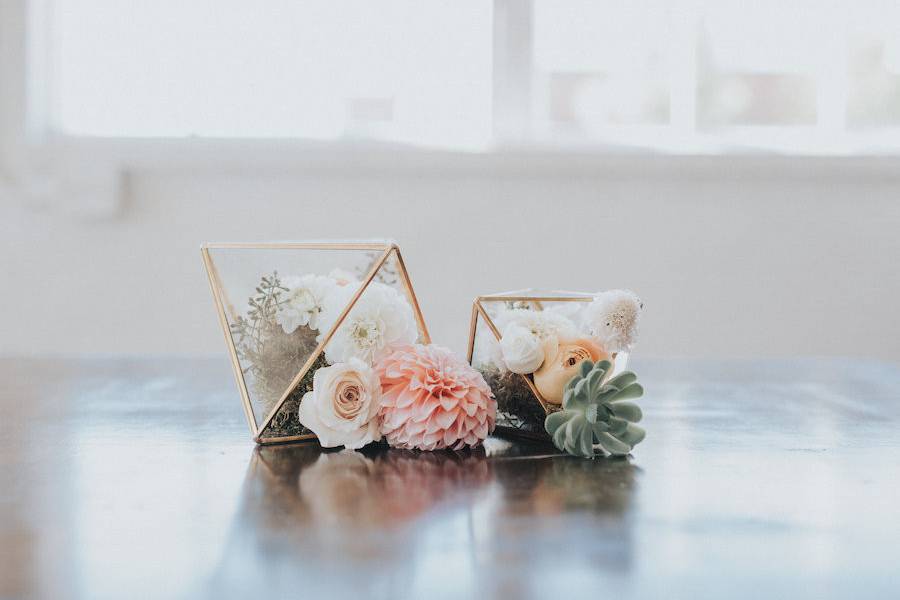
x=612, y=319
x=381, y=317
x=304, y=301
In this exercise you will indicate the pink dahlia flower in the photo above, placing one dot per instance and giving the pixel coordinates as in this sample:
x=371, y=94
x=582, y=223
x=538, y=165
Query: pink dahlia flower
x=433, y=400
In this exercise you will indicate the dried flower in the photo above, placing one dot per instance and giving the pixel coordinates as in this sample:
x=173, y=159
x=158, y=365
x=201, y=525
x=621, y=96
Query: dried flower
x=431, y=399
x=612, y=319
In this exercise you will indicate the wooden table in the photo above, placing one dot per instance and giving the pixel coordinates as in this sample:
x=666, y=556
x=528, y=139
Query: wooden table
x=137, y=479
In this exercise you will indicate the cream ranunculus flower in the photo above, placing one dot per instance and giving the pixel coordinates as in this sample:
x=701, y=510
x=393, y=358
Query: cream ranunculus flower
x=522, y=350
x=341, y=409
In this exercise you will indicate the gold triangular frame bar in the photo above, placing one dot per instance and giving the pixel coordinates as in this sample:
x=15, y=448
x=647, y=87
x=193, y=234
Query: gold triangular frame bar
x=320, y=348
x=221, y=301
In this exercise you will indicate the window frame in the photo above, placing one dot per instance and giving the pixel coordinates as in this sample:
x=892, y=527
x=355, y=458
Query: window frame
x=85, y=174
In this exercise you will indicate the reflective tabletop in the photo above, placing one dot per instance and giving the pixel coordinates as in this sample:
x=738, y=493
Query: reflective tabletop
x=758, y=479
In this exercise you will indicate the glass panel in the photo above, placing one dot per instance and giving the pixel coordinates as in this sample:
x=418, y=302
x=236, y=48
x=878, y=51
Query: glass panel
x=320, y=69
x=565, y=338
x=382, y=316
x=760, y=70
x=277, y=304
x=600, y=63
x=874, y=66
x=539, y=293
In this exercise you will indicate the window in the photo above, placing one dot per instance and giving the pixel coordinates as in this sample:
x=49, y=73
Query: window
x=404, y=70
x=688, y=76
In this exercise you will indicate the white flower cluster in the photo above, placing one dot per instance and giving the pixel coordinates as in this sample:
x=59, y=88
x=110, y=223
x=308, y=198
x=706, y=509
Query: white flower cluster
x=305, y=301
x=524, y=334
x=380, y=317
x=611, y=320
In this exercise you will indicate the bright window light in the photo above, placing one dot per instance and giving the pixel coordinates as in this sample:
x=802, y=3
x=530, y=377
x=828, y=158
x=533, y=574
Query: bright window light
x=416, y=71
x=682, y=76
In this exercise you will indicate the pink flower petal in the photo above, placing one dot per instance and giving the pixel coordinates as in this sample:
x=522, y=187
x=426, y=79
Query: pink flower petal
x=431, y=399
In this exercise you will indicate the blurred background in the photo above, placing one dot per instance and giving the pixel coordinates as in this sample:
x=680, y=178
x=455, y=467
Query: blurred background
x=734, y=163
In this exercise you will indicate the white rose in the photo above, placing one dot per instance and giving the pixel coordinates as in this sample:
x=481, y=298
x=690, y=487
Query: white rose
x=343, y=404
x=522, y=351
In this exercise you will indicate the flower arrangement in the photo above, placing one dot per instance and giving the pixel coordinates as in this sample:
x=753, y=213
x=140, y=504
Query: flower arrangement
x=343, y=355
x=531, y=346
x=418, y=397
x=371, y=380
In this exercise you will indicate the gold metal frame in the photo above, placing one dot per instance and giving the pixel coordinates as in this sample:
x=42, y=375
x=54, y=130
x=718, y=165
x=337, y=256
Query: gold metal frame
x=223, y=307
x=516, y=296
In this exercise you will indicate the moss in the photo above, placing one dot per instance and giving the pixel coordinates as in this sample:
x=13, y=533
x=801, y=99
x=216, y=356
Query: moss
x=286, y=421
x=517, y=408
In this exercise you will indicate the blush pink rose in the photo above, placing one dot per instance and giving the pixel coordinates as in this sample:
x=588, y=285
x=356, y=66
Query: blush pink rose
x=431, y=399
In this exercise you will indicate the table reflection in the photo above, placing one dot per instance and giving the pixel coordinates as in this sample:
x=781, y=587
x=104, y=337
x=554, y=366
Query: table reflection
x=395, y=523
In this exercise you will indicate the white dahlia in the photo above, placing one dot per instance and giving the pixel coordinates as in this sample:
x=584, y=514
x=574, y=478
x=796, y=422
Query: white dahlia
x=380, y=318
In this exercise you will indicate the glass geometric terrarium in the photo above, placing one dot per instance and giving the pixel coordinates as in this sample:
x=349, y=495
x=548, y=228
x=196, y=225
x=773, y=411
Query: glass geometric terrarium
x=290, y=308
x=549, y=334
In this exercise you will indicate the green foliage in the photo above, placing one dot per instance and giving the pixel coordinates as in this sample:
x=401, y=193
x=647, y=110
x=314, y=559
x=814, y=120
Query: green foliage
x=596, y=415
x=250, y=331
x=269, y=356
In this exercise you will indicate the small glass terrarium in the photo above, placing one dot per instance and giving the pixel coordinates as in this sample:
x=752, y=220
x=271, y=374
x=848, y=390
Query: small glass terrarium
x=528, y=344
x=289, y=308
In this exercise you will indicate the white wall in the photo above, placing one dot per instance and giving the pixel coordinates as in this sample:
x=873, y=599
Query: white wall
x=730, y=262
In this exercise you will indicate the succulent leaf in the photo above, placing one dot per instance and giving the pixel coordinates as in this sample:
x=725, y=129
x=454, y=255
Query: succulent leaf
x=613, y=445
x=556, y=420
x=622, y=380
x=633, y=390
x=586, y=367
x=597, y=417
x=628, y=411
x=633, y=435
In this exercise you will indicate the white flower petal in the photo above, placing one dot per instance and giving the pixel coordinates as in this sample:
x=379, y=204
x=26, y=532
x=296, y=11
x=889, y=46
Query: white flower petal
x=521, y=349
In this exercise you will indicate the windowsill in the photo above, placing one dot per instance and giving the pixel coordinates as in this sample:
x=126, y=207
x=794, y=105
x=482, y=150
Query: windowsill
x=277, y=156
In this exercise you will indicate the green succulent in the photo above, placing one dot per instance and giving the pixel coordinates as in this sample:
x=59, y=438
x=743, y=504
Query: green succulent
x=597, y=416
